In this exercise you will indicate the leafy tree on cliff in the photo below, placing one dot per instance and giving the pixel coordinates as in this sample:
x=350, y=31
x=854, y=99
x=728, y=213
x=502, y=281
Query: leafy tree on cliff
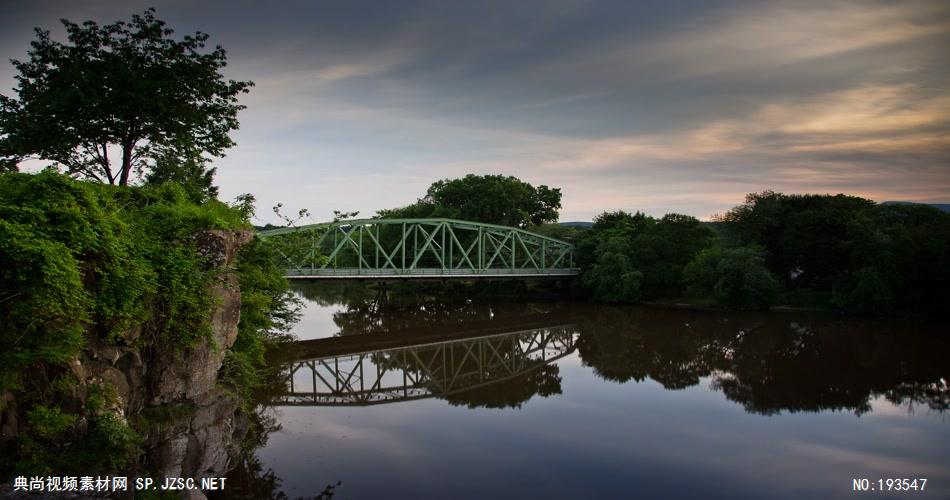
x=103, y=103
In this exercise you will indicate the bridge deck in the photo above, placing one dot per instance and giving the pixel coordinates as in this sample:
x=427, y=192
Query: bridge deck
x=356, y=273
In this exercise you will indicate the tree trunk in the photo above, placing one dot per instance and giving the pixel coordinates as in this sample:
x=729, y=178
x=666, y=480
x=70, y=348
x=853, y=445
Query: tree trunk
x=126, y=162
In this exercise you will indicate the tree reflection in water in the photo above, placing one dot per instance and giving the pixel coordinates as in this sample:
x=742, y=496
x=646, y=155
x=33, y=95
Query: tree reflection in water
x=771, y=363
x=512, y=393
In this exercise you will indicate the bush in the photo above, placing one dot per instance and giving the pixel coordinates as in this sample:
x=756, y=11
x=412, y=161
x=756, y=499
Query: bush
x=627, y=258
x=736, y=277
x=268, y=310
x=871, y=294
x=612, y=277
x=48, y=423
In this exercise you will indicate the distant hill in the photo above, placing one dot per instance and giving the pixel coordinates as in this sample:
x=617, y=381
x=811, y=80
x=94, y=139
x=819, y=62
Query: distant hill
x=576, y=224
x=942, y=206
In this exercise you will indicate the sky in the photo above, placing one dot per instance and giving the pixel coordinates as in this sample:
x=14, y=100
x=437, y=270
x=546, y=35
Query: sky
x=654, y=106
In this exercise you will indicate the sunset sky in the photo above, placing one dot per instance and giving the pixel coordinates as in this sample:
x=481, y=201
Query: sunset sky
x=652, y=106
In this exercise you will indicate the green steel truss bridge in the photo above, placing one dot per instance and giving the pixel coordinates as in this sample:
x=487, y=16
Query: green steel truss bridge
x=385, y=249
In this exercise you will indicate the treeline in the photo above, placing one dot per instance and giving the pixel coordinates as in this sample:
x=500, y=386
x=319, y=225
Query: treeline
x=816, y=251
x=841, y=252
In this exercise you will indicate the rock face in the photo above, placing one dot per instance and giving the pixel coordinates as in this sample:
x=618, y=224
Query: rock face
x=200, y=443
x=176, y=375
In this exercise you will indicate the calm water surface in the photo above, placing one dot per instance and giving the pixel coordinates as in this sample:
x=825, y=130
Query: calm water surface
x=417, y=398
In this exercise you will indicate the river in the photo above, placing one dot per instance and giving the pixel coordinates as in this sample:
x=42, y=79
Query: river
x=416, y=397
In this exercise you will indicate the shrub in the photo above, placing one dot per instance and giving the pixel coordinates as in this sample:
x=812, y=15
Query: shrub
x=612, y=277
x=736, y=277
x=870, y=294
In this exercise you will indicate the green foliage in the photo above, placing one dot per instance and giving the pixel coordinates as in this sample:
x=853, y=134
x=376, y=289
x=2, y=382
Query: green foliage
x=799, y=232
x=621, y=222
x=88, y=257
x=422, y=209
x=64, y=384
x=186, y=166
x=268, y=310
x=42, y=301
x=494, y=199
x=631, y=257
x=871, y=293
x=48, y=423
x=101, y=397
x=107, y=445
x=736, y=277
x=127, y=86
x=559, y=232
x=8, y=165
x=244, y=204
x=612, y=277
x=872, y=258
x=664, y=249
x=183, y=282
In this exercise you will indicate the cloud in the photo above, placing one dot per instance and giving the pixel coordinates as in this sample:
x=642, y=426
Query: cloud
x=774, y=34
x=658, y=107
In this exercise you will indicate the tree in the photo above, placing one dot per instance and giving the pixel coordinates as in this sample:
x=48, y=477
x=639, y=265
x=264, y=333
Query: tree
x=608, y=225
x=186, y=166
x=125, y=88
x=801, y=234
x=496, y=199
x=664, y=249
x=493, y=199
x=622, y=221
x=736, y=277
x=900, y=260
x=612, y=277
x=628, y=257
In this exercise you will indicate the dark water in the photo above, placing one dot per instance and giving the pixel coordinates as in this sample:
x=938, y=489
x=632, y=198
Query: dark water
x=416, y=398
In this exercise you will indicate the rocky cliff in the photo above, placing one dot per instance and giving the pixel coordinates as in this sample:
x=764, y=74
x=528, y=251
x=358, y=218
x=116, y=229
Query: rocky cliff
x=191, y=426
x=200, y=443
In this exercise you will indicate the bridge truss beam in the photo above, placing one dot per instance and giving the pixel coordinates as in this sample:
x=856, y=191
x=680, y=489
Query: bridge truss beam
x=404, y=248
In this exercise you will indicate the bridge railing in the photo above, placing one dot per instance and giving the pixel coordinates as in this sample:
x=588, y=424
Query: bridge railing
x=418, y=247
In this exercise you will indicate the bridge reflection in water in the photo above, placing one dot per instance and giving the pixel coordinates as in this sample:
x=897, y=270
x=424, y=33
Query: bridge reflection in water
x=424, y=370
